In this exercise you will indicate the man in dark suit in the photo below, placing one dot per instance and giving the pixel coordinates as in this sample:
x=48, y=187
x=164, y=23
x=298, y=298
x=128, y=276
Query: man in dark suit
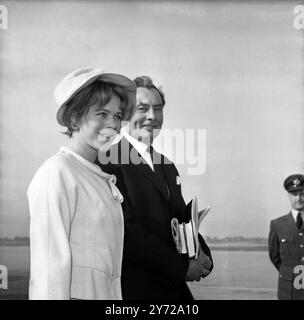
x=152, y=268
x=286, y=240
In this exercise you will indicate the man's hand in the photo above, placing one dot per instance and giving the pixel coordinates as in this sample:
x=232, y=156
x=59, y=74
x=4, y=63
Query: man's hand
x=195, y=270
x=199, y=267
x=204, y=260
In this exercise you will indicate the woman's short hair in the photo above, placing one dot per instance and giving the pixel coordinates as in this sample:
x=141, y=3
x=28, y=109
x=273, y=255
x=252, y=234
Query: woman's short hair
x=98, y=92
x=146, y=82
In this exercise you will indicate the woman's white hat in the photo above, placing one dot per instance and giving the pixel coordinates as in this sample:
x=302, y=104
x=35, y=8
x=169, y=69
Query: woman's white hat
x=80, y=78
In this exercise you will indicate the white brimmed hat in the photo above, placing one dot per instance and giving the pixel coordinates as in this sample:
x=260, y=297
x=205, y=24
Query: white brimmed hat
x=81, y=78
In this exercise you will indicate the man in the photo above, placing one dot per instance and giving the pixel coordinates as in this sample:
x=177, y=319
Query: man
x=286, y=240
x=152, y=268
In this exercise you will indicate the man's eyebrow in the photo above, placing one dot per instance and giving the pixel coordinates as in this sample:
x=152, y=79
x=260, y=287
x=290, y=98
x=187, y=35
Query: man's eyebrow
x=147, y=105
x=143, y=104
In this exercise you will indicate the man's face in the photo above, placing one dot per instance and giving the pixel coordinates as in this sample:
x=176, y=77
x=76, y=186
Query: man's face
x=296, y=199
x=148, y=118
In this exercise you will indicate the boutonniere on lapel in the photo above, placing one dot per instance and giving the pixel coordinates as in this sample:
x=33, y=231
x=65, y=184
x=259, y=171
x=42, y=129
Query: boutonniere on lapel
x=178, y=182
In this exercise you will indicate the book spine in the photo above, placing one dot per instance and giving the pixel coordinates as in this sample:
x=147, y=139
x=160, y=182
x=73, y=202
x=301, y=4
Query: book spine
x=190, y=240
x=182, y=238
x=195, y=238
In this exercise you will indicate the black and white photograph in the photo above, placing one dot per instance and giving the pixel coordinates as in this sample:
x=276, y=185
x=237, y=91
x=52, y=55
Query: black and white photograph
x=152, y=150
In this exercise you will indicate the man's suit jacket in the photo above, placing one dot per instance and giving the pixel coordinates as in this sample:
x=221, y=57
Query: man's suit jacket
x=152, y=267
x=286, y=250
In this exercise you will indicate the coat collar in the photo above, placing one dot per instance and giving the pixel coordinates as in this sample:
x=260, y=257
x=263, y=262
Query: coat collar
x=289, y=220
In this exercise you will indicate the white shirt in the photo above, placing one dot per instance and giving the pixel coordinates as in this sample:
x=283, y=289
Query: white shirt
x=140, y=147
x=295, y=214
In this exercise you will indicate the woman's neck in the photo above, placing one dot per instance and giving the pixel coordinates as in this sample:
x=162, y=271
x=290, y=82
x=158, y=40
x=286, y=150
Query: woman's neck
x=82, y=148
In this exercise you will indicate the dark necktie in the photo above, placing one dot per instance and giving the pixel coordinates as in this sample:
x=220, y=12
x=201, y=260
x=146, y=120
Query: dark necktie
x=158, y=169
x=299, y=220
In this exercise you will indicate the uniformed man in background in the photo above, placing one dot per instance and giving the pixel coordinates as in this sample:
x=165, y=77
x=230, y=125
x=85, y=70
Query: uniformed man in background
x=286, y=240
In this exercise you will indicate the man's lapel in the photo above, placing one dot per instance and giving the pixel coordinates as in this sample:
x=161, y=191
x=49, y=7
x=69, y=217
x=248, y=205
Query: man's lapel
x=171, y=182
x=291, y=222
x=139, y=163
x=302, y=228
x=148, y=173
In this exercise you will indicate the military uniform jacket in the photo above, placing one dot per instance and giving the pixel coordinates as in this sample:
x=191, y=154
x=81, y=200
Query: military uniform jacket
x=286, y=250
x=152, y=267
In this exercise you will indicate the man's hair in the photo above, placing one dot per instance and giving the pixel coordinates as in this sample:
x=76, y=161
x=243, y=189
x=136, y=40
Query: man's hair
x=99, y=93
x=146, y=82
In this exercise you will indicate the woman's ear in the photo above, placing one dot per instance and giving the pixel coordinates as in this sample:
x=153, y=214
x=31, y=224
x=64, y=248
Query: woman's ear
x=74, y=122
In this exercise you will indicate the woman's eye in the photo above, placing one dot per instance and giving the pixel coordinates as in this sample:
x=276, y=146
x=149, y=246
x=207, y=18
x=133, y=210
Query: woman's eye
x=102, y=114
x=118, y=116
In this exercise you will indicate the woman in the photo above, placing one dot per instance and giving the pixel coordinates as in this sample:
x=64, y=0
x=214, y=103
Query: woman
x=76, y=227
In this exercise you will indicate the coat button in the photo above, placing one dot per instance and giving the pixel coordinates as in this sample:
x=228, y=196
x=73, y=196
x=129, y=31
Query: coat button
x=302, y=259
x=301, y=245
x=283, y=240
x=300, y=234
x=280, y=276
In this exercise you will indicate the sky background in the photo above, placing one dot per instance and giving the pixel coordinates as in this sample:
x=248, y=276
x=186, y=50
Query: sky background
x=233, y=68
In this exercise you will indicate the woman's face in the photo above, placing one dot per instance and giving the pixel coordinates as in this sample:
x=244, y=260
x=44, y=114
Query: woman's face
x=99, y=127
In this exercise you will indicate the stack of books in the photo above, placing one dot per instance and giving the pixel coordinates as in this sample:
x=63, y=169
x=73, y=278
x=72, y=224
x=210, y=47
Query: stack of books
x=185, y=234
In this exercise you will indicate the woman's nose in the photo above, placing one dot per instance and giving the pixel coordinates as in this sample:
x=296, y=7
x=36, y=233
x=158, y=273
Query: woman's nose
x=112, y=123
